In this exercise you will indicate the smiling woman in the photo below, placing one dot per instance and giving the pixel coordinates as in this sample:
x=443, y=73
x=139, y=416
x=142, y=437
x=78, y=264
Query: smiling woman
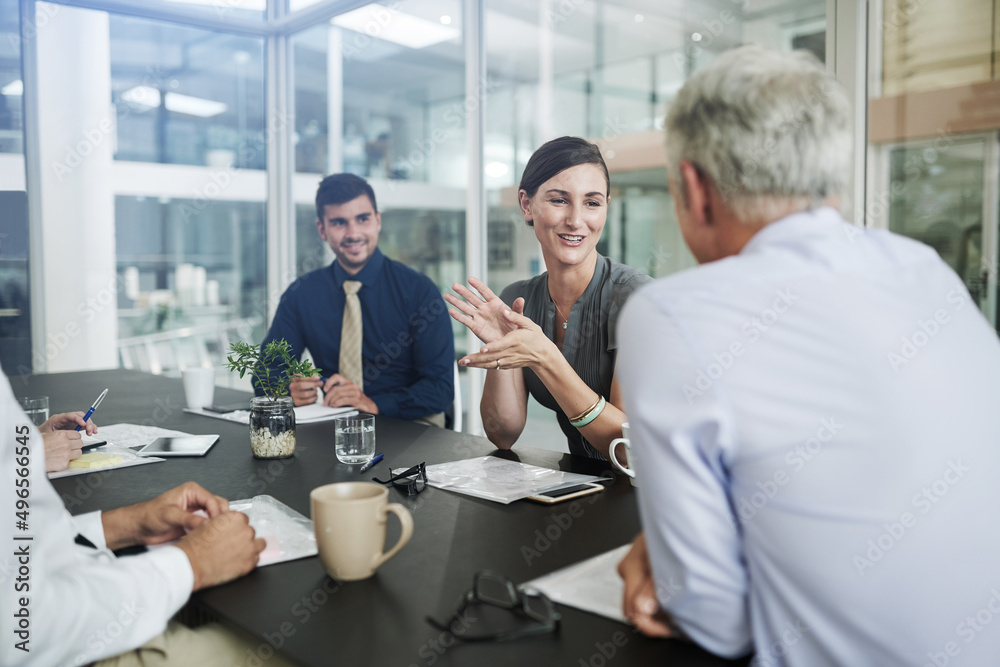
x=553, y=336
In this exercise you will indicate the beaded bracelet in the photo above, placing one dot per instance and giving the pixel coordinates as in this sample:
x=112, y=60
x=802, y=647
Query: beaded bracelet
x=591, y=415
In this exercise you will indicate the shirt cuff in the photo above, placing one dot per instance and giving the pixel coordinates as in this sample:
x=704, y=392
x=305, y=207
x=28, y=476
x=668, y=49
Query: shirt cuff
x=90, y=526
x=173, y=563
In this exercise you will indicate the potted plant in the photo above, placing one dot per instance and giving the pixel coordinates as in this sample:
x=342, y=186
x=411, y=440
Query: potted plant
x=272, y=417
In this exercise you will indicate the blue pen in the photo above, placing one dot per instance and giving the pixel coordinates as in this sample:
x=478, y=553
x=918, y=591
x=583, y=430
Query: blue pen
x=93, y=407
x=371, y=464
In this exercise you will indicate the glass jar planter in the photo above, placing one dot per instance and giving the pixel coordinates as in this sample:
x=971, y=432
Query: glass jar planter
x=272, y=427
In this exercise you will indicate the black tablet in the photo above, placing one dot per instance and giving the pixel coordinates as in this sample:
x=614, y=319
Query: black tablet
x=180, y=445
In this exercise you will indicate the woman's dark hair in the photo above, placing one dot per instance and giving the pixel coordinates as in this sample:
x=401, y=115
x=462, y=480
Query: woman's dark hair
x=340, y=189
x=559, y=155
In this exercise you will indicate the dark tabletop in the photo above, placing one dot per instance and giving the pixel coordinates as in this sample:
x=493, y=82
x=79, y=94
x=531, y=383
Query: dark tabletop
x=296, y=608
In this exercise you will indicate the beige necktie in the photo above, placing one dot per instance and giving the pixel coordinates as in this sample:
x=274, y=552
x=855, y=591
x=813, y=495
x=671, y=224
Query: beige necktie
x=350, y=336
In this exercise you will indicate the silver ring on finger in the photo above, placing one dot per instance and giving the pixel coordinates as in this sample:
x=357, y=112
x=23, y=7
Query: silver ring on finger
x=498, y=364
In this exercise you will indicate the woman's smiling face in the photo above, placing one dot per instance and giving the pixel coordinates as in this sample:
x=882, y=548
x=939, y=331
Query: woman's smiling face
x=568, y=213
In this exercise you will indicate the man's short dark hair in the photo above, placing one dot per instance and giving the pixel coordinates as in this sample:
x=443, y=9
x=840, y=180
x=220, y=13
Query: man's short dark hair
x=340, y=189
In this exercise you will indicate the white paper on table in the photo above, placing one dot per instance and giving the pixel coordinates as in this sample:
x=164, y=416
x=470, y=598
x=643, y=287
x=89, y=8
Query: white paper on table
x=288, y=534
x=134, y=435
x=129, y=459
x=304, y=414
x=592, y=585
x=499, y=480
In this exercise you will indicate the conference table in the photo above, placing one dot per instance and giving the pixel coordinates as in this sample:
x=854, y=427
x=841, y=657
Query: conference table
x=295, y=609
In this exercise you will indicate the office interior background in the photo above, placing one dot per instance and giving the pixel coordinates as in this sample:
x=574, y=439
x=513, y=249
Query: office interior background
x=159, y=158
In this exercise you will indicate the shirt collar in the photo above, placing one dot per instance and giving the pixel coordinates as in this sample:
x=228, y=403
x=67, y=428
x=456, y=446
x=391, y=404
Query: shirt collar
x=818, y=222
x=367, y=276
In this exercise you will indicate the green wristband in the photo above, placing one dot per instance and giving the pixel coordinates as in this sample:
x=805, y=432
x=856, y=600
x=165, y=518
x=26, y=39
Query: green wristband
x=594, y=414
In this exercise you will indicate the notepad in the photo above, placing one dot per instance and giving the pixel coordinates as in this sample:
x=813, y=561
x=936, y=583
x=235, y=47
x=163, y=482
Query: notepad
x=304, y=414
x=592, y=585
x=95, y=460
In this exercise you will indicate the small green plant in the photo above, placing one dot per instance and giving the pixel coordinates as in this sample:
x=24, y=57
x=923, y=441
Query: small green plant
x=246, y=358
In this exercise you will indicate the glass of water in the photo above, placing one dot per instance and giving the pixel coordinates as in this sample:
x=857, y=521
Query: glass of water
x=36, y=407
x=355, y=438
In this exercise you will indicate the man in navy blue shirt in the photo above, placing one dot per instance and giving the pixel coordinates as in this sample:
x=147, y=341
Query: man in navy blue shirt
x=407, y=345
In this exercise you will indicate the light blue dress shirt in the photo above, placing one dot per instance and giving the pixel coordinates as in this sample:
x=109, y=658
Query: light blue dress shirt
x=816, y=432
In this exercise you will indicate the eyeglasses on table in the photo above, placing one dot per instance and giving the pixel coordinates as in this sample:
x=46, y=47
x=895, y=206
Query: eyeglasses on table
x=491, y=588
x=412, y=480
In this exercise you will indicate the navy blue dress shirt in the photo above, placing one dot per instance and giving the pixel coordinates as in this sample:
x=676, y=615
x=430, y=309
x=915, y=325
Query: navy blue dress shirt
x=408, y=349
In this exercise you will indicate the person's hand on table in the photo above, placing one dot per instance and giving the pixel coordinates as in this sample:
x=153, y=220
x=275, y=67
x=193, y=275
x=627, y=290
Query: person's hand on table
x=484, y=316
x=67, y=421
x=170, y=515
x=303, y=390
x=61, y=447
x=640, y=604
x=339, y=392
x=221, y=549
x=525, y=345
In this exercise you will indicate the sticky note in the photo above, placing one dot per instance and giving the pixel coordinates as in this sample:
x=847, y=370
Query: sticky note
x=95, y=460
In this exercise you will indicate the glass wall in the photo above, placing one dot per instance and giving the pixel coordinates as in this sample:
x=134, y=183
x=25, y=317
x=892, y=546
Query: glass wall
x=389, y=80
x=187, y=96
x=15, y=306
x=935, y=138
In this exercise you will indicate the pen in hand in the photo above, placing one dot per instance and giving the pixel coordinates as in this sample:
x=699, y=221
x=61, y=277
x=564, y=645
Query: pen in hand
x=93, y=407
x=371, y=464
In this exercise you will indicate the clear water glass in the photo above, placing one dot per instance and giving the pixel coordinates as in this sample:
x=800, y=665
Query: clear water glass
x=36, y=407
x=354, y=439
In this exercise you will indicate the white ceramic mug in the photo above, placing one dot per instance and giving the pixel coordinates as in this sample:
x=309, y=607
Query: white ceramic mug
x=624, y=440
x=199, y=387
x=350, y=518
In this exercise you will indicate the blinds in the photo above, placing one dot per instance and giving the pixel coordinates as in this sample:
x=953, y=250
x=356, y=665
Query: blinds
x=933, y=44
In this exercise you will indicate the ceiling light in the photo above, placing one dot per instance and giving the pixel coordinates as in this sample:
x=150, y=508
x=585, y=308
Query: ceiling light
x=149, y=97
x=445, y=20
x=391, y=25
x=15, y=87
x=695, y=36
x=251, y=5
x=496, y=169
x=639, y=18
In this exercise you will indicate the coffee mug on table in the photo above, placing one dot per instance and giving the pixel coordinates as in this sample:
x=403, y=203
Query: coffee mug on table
x=349, y=519
x=199, y=387
x=628, y=454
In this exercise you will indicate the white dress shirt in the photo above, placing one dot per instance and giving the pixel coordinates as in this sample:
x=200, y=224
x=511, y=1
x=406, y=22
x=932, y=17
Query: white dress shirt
x=816, y=432
x=83, y=604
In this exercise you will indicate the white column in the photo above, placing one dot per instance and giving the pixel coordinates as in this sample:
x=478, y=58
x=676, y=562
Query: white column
x=475, y=204
x=546, y=76
x=76, y=216
x=334, y=101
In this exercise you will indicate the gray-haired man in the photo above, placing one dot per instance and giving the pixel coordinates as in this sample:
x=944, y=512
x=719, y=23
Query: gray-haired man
x=812, y=410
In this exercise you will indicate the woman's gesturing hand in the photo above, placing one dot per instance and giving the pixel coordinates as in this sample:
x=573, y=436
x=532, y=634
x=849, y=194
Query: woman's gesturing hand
x=524, y=345
x=484, y=315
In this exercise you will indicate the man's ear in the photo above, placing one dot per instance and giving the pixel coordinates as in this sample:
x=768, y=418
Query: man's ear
x=321, y=228
x=695, y=192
